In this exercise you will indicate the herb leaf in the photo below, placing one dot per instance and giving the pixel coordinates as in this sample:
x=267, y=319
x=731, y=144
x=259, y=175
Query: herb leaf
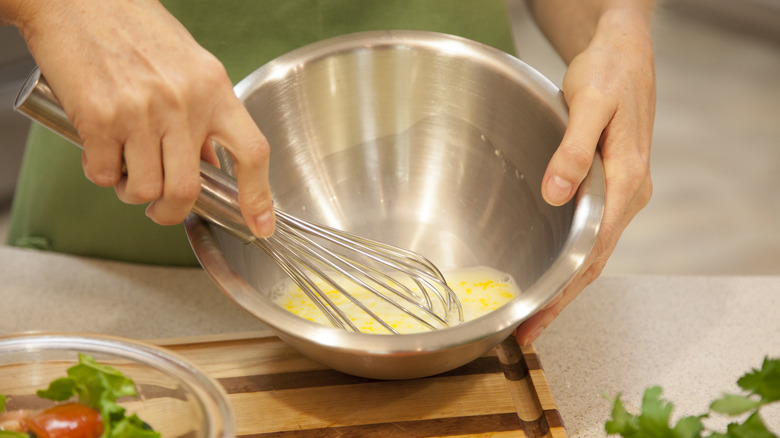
x=732, y=404
x=764, y=382
x=762, y=387
x=655, y=412
x=753, y=427
x=689, y=427
x=622, y=421
x=653, y=422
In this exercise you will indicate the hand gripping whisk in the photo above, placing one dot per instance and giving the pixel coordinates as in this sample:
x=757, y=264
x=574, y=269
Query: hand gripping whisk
x=314, y=256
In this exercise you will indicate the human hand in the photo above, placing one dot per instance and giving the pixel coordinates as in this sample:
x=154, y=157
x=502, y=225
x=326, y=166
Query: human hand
x=610, y=90
x=139, y=88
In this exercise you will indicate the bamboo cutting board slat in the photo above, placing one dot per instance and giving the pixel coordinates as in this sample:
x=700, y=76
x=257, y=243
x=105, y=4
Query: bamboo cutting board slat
x=277, y=392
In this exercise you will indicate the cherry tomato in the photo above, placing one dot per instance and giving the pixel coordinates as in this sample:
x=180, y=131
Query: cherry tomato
x=69, y=420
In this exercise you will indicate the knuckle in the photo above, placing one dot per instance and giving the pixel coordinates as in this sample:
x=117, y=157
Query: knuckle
x=639, y=172
x=183, y=191
x=256, y=152
x=594, y=271
x=93, y=123
x=180, y=91
x=645, y=192
x=144, y=193
x=590, y=96
x=103, y=174
x=101, y=119
x=255, y=201
x=213, y=72
x=577, y=155
x=211, y=75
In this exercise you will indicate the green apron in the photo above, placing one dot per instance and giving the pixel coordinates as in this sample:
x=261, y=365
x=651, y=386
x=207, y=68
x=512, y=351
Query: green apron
x=56, y=208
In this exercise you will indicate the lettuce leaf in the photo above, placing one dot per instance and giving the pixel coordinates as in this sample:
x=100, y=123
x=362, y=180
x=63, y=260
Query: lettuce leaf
x=9, y=434
x=99, y=386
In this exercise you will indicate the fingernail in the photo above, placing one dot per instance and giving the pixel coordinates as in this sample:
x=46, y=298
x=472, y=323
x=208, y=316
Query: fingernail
x=531, y=337
x=558, y=190
x=264, y=224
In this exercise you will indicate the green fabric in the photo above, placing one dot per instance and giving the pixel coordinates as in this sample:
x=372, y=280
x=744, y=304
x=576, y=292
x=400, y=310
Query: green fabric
x=56, y=208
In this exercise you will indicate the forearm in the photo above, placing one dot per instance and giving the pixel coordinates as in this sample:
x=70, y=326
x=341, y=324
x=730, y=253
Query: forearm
x=573, y=25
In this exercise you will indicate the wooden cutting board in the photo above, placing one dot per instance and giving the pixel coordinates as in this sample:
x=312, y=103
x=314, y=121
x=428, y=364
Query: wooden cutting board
x=277, y=392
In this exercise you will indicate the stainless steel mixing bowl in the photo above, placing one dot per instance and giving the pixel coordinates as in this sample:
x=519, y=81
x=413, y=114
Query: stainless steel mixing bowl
x=427, y=141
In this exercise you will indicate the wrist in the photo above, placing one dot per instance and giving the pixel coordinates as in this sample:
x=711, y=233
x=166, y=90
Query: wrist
x=625, y=29
x=25, y=14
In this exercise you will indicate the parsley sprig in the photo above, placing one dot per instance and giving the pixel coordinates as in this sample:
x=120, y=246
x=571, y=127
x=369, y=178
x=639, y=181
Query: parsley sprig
x=760, y=386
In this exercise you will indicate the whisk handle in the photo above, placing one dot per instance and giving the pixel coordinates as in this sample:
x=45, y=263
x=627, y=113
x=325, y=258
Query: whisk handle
x=218, y=199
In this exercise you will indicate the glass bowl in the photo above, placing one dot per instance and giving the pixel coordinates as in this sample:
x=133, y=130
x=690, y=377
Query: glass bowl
x=174, y=397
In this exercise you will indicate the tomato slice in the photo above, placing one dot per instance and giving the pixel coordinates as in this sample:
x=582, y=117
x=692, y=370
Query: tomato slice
x=69, y=420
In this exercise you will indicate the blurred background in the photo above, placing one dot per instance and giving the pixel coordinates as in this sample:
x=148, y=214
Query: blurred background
x=716, y=147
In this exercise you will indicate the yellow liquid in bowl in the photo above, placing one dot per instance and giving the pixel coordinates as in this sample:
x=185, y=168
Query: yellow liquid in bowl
x=479, y=289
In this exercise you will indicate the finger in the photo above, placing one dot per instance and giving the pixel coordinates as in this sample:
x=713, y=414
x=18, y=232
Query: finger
x=181, y=185
x=533, y=327
x=144, y=181
x=238, y=133
x=209, y=154
x=571, y=161
x=618, y=213
x=102, y=161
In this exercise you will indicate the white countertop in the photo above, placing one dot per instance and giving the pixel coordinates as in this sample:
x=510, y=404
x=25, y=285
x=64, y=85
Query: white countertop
x=694, y=336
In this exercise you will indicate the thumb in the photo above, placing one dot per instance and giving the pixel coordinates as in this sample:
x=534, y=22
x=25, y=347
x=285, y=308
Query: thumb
x=239, y=134
x=571, y=162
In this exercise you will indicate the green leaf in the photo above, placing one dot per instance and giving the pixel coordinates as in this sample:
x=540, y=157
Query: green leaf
x=97, y=381
x=133, y=427
x=732, y=404
x=653, y=421
x=622, y=421
x=9, y=434
x=753, y=427
x=656, y=412
x=689, y=427
x=2, y=403
x=59, y=390
x=764, y=382
x=99, y=386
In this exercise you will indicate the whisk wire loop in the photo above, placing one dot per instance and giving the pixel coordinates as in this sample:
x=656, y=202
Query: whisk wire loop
x=305, y=260
x=396, y=259
x=320, y=299
x=304, y=250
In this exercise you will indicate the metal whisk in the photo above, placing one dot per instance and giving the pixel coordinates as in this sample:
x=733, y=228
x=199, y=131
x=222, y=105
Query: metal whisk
x=302, y=250
x=311, y=255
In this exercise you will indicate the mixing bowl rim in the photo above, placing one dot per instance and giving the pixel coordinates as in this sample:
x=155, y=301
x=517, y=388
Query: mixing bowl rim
x=438, y=42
